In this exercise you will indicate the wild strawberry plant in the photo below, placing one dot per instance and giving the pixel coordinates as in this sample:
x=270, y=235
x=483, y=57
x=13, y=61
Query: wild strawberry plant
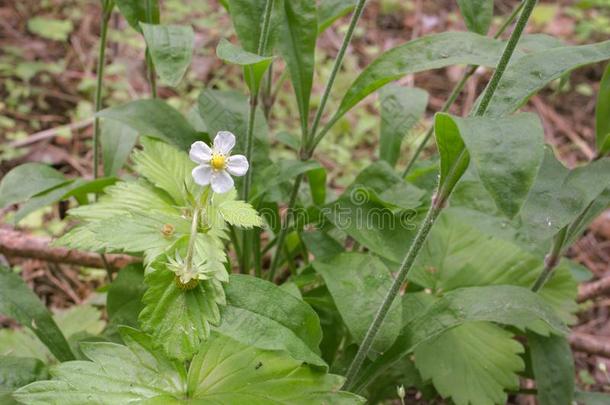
x=257, y=285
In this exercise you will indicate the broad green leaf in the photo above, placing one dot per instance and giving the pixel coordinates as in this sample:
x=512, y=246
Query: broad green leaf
x=166, y=167
x=507, y=153
x=559, y=195
x=238, y=213
x=171, y=49
x=321, y=244
x=454, y=156
x=79, y=319
x=136, y=11
x=26, y=181
x=473, y=363
x=317, y=185
x=179, y=319
x=503, y=304
x=117, y=141
x=477, y=14
x=247, y=17
x=254, y=65
x=272, y=179
x=298, y=31
x=602, y=115
x=358, y=284
x=116, y=374
x=228, y=372
x=15, y=372
x=401, y=110
x=330, y=11
x=228, y=111
x=526, y=75
x=553, y=369
x=19, y=302
x=430, y=52
x=457, y=254
x=368, y=211
x=154, y=118
x=124, y=299
x=260, y=314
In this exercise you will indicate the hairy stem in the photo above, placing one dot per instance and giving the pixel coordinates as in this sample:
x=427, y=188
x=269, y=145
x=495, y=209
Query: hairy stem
x=436, y=207
x=457, y=90
x=338, y=62
x=101, y=62
x=551, y=260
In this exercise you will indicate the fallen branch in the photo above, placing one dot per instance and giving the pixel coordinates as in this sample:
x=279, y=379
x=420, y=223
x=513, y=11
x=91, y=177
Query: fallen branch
x=18, y=244
x=593, y=289
x=595, y=345
x=50, y=133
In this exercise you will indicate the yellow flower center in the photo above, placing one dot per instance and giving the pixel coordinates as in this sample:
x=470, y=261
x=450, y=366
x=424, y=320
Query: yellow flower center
x=218, y=162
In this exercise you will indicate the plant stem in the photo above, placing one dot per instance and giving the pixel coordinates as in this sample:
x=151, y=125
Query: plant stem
x=551, y=260
x=101, y=62
x=306, y=149
x=152, y=75
x=436, y=207
x=284, y=229
x=457, y=90
x=338, y=62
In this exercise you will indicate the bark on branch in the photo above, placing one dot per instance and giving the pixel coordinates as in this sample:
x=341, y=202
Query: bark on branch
x=595, y=345
x=18, y=244
x=594, y=289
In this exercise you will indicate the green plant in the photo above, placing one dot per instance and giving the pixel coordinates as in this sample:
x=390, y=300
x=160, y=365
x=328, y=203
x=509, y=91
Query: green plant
x=479, y=237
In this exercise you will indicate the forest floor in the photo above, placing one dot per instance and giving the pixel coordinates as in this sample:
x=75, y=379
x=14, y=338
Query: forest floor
x=48, y=52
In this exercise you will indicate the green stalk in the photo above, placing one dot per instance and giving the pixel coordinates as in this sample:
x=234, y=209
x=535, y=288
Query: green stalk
x=306, y=149
x=436, y=207
x=551, y=260
x=101, y=63
x=152, y=75
x=338, y=62
x=457, y=90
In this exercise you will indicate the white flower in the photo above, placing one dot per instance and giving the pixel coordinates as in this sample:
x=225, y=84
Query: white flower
x=216, y=165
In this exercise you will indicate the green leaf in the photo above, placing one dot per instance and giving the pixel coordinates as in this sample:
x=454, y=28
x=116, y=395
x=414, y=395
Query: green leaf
x=19, y=302
x=321, y=244
x=154, y=118
x=503, y=304
x=602, y=115
x=592, y=398
x=473, y=363
x=531, y=73
x=559, y=195
x=116, y=374
x=317, y=185
x=179, y=318
x=458, y=254
x=136, y=11
x=330, y=11
x=124, y=300
x=358, y=284
x=254, y=65
x=224, y=372
x=171, y=49
x=401, y=109
x=50, y=28
x=166, y=167
x=247, y=17
x=229, y=372
x=430, y=52
x=507, y=153
x=117, y=142
x=270, y=179
x=477, y=14
x=260, y=314
x=237, y=212
x=15, y=372
x=454, y=156
x=553, y=369
x=78, y=319
x=298, y=31
x=26, y=181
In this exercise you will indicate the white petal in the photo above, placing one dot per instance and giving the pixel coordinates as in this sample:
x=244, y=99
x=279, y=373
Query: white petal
x=221, y=182
x=200, y=152
x=224, y=142
x=202, y=175
x=237, y=165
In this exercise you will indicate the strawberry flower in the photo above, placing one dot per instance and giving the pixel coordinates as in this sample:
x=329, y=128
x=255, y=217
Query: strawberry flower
x=215, y=164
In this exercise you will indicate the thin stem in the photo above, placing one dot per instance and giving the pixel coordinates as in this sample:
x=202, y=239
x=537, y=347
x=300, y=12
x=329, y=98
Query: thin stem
x=284, y=229
x=338, y=62
x=435, y=209
x=551, y=260
x=457, y=90
x=264, y=38
x=152, y=75
x=101, y=62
